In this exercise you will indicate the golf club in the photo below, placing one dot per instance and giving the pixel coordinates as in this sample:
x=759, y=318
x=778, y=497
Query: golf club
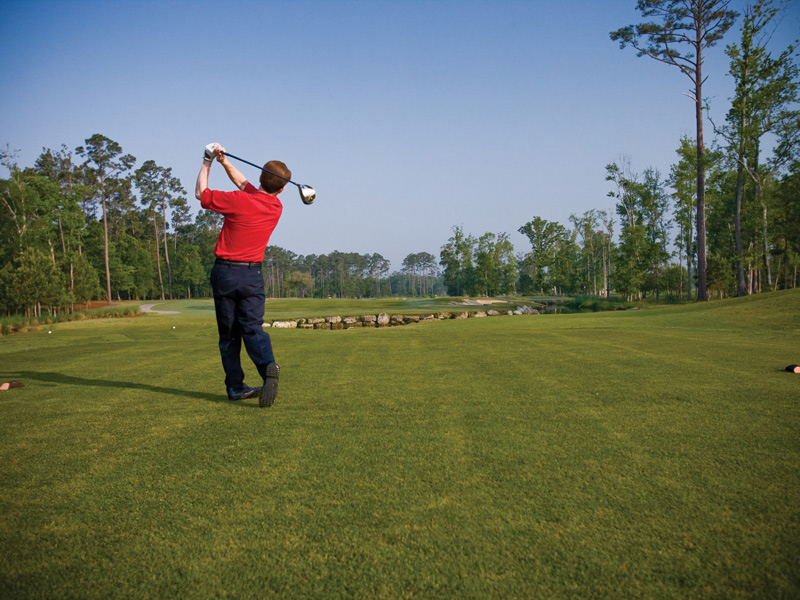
x=307, y=193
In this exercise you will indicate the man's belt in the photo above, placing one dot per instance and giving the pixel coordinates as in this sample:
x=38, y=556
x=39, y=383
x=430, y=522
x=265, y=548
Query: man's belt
x=238, y=263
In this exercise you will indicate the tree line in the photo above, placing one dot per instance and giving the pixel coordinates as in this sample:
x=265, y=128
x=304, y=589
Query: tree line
x=74, y=230
x=348, y=275
x=734, y=212
x=87, y=224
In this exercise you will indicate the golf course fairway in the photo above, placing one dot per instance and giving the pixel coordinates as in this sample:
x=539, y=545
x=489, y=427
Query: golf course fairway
x=632, y=454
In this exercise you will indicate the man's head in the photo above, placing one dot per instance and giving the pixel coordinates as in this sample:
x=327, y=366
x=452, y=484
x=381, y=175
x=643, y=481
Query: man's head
x=269, y=182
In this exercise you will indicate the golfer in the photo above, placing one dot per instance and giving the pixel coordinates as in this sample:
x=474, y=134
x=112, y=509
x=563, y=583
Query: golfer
x=250, y=217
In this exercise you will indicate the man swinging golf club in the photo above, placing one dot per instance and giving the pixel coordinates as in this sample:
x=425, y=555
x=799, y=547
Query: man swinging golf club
x=250, y=217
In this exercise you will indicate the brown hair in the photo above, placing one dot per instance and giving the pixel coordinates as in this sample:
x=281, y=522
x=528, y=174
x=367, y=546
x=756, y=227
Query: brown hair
x=273, y=183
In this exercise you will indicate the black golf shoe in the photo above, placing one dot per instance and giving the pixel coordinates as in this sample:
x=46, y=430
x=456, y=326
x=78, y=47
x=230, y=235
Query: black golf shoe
x=242, y=394
x=270, y=389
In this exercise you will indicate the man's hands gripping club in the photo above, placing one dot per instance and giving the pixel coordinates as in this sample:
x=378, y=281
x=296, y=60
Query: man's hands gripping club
x=210, y=152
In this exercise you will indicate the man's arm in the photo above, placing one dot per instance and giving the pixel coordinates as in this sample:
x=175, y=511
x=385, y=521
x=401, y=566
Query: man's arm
x=202, y=179
x=235, y=176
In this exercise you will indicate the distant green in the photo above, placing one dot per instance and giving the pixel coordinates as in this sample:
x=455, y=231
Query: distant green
x=634, y=454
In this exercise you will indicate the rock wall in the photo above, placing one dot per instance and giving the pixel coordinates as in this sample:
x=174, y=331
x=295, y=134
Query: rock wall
x=386, y=320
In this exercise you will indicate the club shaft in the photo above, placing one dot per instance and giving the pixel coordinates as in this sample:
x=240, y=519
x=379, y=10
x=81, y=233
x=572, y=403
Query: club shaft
x=262, y=168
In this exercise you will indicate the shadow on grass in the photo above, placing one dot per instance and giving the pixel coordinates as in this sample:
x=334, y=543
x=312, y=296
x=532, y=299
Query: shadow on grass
x=61, y=379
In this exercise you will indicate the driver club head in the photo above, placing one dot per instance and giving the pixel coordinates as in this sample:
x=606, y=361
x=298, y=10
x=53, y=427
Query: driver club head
x=307, y=194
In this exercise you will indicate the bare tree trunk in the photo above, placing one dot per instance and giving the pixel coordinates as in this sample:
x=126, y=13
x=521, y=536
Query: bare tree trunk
x=105, y=238
x=741, y=290
x=166, y=250
x=766, y=244
x=777, y=274
x=61, y=235
x=158, y=253
x=688, y=277
x=702, y=291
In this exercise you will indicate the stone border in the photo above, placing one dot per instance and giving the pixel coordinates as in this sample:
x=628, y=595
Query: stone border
x=386, y=320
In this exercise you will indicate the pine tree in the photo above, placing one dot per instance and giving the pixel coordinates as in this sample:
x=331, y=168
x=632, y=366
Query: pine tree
x=698, y=24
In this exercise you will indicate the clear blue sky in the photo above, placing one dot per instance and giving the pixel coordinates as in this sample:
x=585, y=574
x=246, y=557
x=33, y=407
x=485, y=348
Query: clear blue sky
x=407, y=117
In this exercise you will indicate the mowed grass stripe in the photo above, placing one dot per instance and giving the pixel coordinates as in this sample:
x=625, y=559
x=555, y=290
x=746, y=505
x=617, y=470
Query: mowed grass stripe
x=621, y=455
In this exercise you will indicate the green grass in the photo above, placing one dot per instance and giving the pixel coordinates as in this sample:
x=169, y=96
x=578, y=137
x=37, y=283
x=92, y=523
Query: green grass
x=643, y=454
x=21, y=323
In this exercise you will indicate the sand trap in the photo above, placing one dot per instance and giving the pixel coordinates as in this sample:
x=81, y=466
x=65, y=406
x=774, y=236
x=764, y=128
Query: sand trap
x=479, y=302
x=148, y=308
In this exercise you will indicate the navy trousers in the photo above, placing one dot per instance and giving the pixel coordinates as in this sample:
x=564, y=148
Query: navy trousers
x=239, y=302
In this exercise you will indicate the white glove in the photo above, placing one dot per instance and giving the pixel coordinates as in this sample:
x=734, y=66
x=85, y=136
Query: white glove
x=210, y=152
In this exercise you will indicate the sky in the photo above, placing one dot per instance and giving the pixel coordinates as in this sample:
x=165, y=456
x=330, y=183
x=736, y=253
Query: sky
x=408, y=117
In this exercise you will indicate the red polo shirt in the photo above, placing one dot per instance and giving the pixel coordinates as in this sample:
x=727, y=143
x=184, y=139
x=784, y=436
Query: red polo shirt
x=250, y=218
